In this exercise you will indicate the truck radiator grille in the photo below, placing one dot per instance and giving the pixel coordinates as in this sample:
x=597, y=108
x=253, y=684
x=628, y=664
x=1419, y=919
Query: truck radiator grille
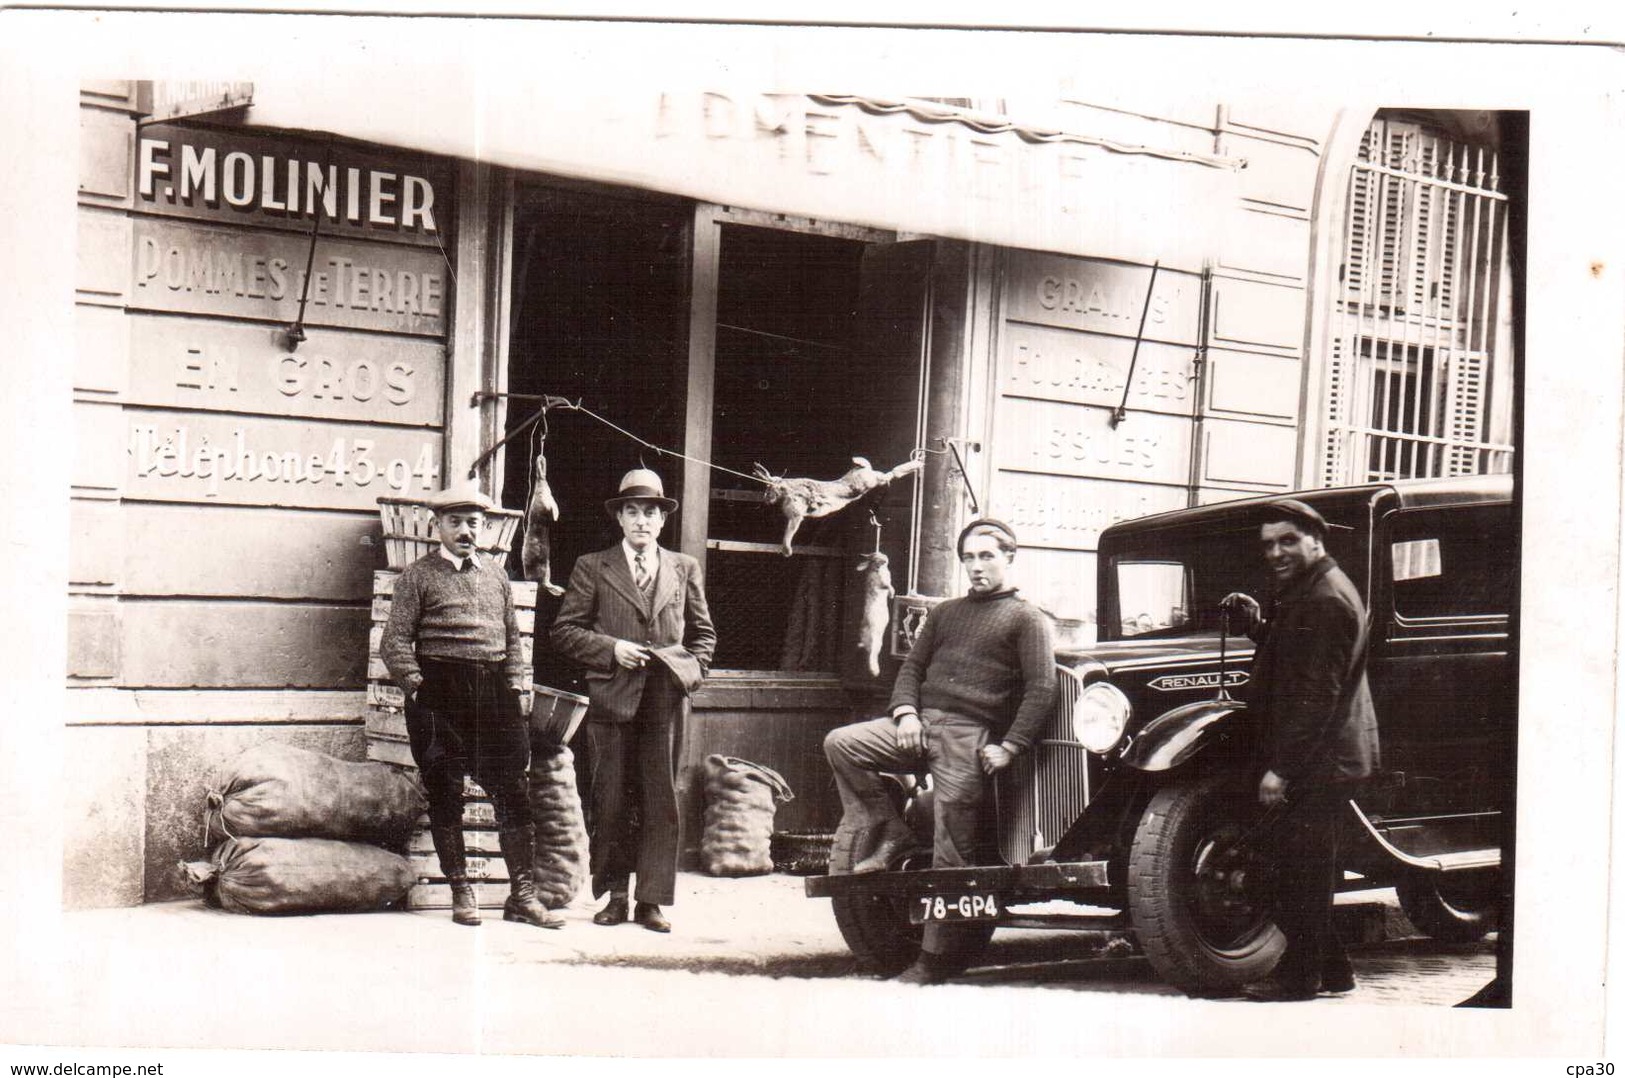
x=1045, y=790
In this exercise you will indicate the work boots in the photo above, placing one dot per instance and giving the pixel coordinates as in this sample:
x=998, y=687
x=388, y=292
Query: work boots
x=448, y=847
x=523, y=905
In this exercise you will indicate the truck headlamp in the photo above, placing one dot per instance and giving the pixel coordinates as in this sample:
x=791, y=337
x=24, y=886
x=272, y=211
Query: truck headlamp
x=1100, y=716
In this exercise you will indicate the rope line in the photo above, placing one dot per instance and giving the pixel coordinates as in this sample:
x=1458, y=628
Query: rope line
x=917, y=453
x=584, y=410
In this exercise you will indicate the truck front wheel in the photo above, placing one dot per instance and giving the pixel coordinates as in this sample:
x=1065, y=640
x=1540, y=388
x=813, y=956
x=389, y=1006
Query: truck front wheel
x=876, y=928
x=1197, y=893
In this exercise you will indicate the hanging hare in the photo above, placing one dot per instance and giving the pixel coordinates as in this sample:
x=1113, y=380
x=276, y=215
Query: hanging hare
x=802, y=498
x=537, y=554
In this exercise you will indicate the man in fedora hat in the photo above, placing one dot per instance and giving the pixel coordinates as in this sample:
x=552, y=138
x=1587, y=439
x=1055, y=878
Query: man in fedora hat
x=634, y=616
x=452, y=645
x=1319, y=739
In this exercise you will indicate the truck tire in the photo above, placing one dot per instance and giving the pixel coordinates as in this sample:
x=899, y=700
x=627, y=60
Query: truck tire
x=877, y=929
x=1451, y=914
x=1198, y=904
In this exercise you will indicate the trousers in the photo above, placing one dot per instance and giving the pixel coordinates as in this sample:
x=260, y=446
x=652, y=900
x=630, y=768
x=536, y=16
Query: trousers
x=632, y=793
x=858, y=752
x=1306, y=842
x=464, y=720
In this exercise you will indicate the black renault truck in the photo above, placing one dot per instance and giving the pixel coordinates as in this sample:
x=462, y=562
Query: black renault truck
x=1138, y=807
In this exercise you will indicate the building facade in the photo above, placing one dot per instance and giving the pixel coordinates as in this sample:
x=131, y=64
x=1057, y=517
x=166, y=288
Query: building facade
x=1074, y=312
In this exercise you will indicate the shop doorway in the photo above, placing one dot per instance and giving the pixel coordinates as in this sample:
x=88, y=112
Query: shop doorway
x=817, y=360
x=599, y=309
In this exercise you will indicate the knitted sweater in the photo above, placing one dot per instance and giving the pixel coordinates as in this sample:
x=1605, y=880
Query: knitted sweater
x=441, y=613
x=990, y=658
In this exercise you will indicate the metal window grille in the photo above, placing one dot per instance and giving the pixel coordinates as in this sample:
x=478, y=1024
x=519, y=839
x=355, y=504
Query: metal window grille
x=1408, y=387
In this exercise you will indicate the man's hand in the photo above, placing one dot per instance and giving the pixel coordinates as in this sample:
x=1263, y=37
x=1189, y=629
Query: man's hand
x=526, y=701
x=1244, y=604
x=911, y=732
x=630, y=655
x=1271, y=789
x=995, y=758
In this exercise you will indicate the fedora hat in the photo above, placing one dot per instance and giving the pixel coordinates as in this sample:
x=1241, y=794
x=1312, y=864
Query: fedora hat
x=642, y=485
x=459, y=495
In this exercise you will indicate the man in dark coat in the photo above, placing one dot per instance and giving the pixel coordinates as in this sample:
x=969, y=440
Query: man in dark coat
x=1308, y=682
x=635, y=617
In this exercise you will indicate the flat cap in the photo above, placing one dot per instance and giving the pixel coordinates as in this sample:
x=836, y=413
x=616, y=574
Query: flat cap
x=1302, y=514
x=988, y=523
x=459, y=495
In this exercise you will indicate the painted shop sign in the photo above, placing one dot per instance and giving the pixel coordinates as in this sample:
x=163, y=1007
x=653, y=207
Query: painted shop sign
x=1090, y=368
x=1103, y=297
x=1071, y=439
x=243, y=177
x=242, y=460
x=1068, y=513
x=200, y=269
x=247, y=367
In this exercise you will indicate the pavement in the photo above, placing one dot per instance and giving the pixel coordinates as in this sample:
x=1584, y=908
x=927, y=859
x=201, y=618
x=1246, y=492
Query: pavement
x=752, y=968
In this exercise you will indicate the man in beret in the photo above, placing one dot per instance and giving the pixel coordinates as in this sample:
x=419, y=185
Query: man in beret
x=452, y=644
x=1319, y=737
x=635, y=617
x=972, y=695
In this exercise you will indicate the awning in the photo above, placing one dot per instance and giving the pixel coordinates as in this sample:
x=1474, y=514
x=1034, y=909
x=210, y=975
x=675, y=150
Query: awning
x=905, y=165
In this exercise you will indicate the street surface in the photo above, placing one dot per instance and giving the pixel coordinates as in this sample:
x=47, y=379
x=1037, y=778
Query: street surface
x=752, y=969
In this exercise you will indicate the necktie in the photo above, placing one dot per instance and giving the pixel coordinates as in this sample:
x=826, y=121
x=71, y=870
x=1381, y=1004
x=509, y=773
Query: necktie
x=640, y=572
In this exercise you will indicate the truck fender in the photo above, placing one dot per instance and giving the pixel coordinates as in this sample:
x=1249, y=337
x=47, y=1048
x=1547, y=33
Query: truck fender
x=1176, y=736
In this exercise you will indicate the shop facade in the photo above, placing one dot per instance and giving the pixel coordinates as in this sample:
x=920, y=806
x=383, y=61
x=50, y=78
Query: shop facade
x=1072, y=314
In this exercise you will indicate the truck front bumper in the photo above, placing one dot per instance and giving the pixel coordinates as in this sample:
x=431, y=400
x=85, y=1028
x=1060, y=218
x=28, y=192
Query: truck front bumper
x=1012, y=883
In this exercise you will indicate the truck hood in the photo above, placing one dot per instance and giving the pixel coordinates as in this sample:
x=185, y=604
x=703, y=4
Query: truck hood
x=1122, y=655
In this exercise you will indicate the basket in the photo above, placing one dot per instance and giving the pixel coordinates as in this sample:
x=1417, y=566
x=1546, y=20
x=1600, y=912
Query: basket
x=555, y=714
x=801, y=853
x=409, y=530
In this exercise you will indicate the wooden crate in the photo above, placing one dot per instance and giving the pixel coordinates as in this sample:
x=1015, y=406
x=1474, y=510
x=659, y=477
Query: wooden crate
x=480, y=866
x=475, y=841
x=437, y=896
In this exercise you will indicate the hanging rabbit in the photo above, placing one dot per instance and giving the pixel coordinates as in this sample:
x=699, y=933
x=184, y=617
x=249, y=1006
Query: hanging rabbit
x=540, y=513
x=802, y=498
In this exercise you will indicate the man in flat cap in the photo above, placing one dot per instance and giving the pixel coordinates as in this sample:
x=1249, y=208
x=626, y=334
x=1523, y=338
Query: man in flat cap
x=1319, y=737
x=972, y=695
x=635, y=617
x=452, y=645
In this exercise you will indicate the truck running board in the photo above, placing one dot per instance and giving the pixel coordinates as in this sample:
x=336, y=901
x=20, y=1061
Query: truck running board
x=1010, y=882
x=1444, y=844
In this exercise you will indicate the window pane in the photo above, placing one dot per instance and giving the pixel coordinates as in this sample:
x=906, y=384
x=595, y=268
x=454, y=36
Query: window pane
x=1453, y=563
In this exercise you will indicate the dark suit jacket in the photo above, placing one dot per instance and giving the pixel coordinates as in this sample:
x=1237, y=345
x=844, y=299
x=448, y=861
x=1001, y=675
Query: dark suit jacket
x=603, y=605
x=1308, y=677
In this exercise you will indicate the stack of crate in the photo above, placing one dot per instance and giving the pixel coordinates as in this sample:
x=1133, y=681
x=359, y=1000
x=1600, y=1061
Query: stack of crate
x=387, y=743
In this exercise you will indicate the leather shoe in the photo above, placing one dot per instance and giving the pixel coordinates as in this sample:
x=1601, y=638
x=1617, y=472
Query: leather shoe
x=649, y=916
x=613, y=913
x=897, y=841
x=927, y=969
x=1337, y=978
x=1274, y=991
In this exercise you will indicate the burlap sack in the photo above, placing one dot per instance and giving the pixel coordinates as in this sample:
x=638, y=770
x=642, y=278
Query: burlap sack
x=740, y=800
x=561, y=834
x=282, y=791
x=300, y=875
